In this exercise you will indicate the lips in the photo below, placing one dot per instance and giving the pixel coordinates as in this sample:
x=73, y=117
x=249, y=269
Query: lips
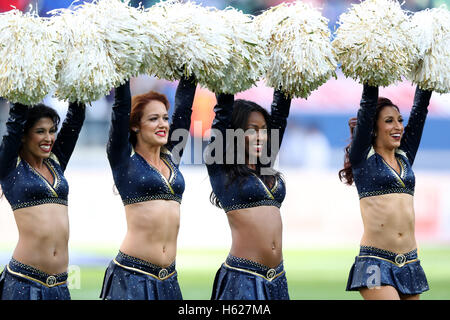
x=45, y=147
x=161, y=133
x=396, y=136
x=258, y=147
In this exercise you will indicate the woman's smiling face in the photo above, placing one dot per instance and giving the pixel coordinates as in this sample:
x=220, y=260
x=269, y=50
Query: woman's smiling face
x=389, y=128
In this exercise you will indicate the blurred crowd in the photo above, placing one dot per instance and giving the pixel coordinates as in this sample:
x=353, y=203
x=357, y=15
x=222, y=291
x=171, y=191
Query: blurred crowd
x=332, y=8
x=309, y=139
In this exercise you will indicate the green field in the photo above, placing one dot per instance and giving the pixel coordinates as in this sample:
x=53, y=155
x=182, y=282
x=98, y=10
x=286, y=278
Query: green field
x=313, y=274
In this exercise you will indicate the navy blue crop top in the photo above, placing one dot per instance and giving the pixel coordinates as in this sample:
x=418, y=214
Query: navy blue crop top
x=22, y=185
x=135, y=179
x=249, y=191
x=373, y=176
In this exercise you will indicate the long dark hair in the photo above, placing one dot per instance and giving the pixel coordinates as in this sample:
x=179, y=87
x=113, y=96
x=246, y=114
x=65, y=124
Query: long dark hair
x=346, y=174
x=35, y=113
x=241, y=113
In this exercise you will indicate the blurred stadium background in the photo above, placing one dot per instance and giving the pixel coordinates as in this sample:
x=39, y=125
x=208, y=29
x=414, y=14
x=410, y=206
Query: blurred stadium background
x=322, y=224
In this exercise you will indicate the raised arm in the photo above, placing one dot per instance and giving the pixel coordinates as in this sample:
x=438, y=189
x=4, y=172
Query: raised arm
x=362, y=136
x=11, y=142
x=181, y=118
x=119, y=147
x=278, y=115
x=413, y=131
x=221, y=122
x=68, y=135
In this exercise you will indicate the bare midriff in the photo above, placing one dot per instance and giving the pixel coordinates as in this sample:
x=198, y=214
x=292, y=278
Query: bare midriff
x=43, y=237
x=257, y=234
x=389, y=222
x=152, y=231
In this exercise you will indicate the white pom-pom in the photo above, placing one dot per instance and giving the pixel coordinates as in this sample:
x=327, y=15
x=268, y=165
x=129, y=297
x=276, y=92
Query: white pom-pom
x=247, y=60
x=28, y=57
x=196, y=43
x=87, y=71
x=300, y=54
x=432, y=37
x=123, y=31
x=374, y=43
x=104, y=44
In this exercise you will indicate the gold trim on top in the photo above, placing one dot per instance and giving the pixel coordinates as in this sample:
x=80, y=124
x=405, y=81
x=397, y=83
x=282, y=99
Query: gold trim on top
x=35, y=280
x=265, y=187
x=399, y=179
x=172, y=171
x=53, y=172
x=160, y=174
x=275, y=186
x=50, y=187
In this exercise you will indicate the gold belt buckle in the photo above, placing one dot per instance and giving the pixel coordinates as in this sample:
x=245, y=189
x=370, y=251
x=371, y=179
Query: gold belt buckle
x=271, y=273
x=400, y=260
x=163, y=273
x=51, y=281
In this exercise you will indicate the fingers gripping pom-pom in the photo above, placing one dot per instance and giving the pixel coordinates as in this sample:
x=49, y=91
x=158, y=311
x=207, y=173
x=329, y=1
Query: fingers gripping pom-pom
x=300, y=55
x=431, y=31
x=373, y=42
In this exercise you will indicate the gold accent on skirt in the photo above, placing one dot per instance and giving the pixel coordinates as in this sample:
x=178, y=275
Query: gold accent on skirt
x=35, y=280
x=143, y=272
x=255, y=273
x=398, y=265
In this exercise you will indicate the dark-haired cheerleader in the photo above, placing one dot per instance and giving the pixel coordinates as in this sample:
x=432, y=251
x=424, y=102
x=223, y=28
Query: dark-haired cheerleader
x=33, y=161
x=250, y=191
x=379, y=161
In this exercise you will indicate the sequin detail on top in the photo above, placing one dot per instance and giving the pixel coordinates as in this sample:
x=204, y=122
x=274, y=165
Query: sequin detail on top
x=138, y=181
x=25, y=187
x=374, y=176
x=247, y=192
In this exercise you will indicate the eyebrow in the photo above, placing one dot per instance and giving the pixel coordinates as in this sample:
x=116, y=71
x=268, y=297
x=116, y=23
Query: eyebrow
x=255, y=125
x=157, y=115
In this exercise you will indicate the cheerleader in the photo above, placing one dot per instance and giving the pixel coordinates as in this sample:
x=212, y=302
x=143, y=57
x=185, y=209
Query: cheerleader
x=379, y=161
x=144, y=152
x=33, y=161
x=251, y=194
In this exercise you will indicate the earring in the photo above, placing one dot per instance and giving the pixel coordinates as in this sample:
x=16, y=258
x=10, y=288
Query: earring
x=136, y=131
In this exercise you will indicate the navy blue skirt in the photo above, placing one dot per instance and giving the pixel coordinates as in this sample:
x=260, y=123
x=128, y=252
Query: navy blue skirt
x=377, y=267
x=130, y=278
x=242, y=279
x=19, y=281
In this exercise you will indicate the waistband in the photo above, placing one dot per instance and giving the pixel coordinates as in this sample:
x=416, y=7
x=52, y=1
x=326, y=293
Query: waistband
x=399, y=259
x=255, y=268
x=28, y=272
x=135, y=264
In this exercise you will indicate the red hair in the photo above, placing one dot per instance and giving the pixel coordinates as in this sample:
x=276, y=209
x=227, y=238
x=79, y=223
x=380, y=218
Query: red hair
x=138, y=103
